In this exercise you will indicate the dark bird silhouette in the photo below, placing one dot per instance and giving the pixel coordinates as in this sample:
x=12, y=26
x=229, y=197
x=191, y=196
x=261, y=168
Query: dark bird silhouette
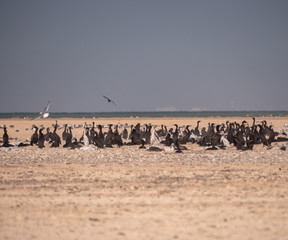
x=168, y=140
x=176, y=133
x=69, y=136
x=177, y=146
x=99, y=138
x=48, y=136
x=5, y=139
x=124, y=133
x=109, y=137
x=155, y=149
x=92, y=133
x=143, y=144
x=65, y=133
x=117, y=138
x=55, y=137
x=196, y=131
x=41, y=139
x=34, y=137
x=109, y=100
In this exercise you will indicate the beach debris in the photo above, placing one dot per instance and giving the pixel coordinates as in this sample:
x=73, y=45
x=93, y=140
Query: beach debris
x=11, y=149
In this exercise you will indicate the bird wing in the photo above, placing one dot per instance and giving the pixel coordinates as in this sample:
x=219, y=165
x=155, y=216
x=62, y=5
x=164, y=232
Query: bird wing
x=109, y=100
x=112, y=102
x=37, y=117
x=46, y=108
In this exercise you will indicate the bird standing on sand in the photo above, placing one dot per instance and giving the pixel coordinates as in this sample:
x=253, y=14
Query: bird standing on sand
x=5, y=138
x=34, y=137
x=109, y=100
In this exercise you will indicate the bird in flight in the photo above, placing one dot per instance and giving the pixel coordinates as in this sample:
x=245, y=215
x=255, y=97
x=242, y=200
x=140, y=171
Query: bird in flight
x=109, y=100
x=45, y=113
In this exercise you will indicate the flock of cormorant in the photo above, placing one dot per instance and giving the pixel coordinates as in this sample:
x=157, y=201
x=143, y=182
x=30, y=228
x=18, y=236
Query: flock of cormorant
x=214, y=137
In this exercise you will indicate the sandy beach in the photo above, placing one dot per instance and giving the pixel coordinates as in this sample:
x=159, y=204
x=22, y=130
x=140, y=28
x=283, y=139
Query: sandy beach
x=129, y=193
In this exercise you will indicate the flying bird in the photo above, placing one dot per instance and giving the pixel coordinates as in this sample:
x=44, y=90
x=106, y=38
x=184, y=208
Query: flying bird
x=109, y=100
x=45, y=113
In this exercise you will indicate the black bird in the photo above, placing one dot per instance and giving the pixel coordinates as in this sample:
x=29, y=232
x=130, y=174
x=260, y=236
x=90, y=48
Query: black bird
x=109, y=137
x=117, y=138
x=177, y=146
x=55, y=137
x=34, y=137
x=48, y=136
x=109, y=100
x=155, y=149
x=176, y=133
x=92, y=133
x=99, y=138
x=142, y=146
x=168, y=140
x=184, y=139
x=124, y=133
x=68, y=142
x=161, y=132
x=196, y=131
x=5, y=139
x=41, y=139
x=65, y=133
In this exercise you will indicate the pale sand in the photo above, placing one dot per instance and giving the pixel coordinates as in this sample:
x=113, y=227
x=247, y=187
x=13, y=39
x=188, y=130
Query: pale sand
x=127, y=193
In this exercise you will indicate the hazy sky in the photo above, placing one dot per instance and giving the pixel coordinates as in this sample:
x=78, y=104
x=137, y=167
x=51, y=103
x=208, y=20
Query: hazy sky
x=145, y=55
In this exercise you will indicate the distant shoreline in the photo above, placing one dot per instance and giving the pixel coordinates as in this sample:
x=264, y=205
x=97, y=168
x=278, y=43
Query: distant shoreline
x=154, y=114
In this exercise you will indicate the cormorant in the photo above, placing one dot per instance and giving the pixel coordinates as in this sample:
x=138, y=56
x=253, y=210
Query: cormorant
x=41, y=139
x=34, y=137
x=5, y=138
x=55, y=137
x=68, y=138
x=143, y=143
x=124, y=133
x=65, y=133
x=117, y=138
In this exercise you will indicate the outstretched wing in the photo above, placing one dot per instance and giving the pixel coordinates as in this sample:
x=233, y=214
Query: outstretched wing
x=106, y=98
x=44, y=111
x=46, y=108
x=112, y=102
x=37, y=117
x=109, y=100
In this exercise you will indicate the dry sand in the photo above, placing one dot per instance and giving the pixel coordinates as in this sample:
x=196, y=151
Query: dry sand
x=128, y=193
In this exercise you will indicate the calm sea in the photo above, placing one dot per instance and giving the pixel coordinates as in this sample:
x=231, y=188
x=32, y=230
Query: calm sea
x=148, y=114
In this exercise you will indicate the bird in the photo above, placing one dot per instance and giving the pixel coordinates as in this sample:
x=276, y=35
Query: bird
x=142, y=146
x=34, y=137
x=109, y=100
x=5, y=138
x=45, y=113
x=41, y=138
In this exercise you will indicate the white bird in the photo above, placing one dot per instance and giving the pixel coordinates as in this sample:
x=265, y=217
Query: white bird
x=225, y=141
x=154, y=138
x=45, y=113
x=85, y=138
x=86, y=141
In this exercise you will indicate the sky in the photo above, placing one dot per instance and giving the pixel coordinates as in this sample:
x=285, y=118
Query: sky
x=151, y=55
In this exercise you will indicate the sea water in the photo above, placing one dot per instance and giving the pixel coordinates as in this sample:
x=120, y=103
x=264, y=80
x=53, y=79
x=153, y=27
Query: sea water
x=155, y=114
